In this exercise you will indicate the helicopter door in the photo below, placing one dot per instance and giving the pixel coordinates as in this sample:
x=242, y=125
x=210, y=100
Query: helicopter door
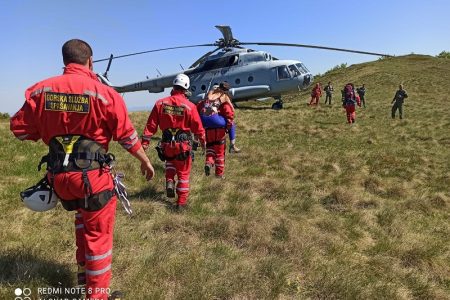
x=283, y=73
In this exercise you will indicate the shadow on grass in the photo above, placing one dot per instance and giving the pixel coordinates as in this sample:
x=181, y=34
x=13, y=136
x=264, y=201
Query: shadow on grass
x=23, y=269
x=150, y=193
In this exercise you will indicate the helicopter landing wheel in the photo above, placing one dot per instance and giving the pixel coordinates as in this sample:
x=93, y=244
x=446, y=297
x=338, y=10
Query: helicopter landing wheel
x=277, y=105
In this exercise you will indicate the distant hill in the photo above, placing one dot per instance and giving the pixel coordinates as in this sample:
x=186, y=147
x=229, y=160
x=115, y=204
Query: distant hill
x=420, y=74
x=313, y=208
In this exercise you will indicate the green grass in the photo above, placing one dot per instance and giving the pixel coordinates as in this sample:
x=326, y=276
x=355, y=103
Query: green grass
x=311, y=209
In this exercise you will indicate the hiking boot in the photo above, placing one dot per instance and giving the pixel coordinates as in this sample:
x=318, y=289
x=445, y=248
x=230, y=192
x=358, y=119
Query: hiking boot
x=234, y=149
x=116, y=295
x=170, y=189
x=207, y=169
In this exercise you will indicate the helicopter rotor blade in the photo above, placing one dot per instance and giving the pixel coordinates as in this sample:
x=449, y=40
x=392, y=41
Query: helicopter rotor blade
x=315, y=47
x=226, y=32
x=155, y=50
x=109, y=66
x=201, y=59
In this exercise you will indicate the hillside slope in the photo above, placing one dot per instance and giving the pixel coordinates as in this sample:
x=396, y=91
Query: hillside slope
x=313, y=208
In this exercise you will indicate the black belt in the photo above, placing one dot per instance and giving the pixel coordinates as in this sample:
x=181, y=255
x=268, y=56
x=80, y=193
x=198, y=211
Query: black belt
x=94, y=202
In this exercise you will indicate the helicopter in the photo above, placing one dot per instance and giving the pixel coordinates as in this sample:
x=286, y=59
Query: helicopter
x=252, y=74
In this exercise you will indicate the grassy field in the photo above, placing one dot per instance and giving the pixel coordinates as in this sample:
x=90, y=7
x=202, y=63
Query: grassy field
x=313, y=208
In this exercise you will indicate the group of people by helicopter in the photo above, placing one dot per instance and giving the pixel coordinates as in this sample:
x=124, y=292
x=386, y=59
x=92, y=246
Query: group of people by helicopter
x=352, y=97
x=184, y=126
x=77, y=116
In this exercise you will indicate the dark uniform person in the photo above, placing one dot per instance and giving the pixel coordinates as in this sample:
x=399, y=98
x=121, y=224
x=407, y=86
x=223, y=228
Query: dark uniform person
x=399, y=97
x=362, y=95
x=329, y=92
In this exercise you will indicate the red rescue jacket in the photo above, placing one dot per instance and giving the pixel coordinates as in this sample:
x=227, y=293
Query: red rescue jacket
x=316, y=91
x=75, y=103
x=175, y=111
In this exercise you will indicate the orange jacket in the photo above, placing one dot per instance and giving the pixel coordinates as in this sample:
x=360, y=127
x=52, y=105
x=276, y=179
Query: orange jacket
x=75, y=103
x=175, y=111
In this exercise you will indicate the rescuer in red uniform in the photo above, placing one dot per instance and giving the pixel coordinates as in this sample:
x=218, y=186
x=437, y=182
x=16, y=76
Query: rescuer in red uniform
x=178, y=119
x=210, y=109
x=77, y=116
x=316, y=93
x=349, y=101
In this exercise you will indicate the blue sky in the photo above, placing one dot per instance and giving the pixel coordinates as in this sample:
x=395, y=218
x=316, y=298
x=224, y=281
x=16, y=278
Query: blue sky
x=33, y=32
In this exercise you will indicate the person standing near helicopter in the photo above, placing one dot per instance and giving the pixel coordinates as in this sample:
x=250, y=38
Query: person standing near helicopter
x=74, y=114
x=329, y=92
x=316, y=93
x=397, y=101
x=215, y=108
x=218, y=120
x=178, y=119
x=349, y=102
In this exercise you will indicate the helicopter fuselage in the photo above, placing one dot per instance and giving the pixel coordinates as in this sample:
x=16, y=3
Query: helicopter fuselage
x=251, y=74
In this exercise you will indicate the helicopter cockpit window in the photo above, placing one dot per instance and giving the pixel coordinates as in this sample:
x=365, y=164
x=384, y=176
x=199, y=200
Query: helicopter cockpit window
x=234, y=60
x=302, y=68
x=254, y=57
x=283, y=73
x=222, y=62
x=294, y=71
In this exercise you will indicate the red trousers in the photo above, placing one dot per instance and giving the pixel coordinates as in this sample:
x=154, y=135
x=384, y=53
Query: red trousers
x=215, y=156
x=314, y=98
x=215, y=153
x=182, y=169
x=93, y=230
x=351, y=115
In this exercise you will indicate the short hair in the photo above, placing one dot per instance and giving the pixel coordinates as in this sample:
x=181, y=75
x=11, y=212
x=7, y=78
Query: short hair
x=76, y=51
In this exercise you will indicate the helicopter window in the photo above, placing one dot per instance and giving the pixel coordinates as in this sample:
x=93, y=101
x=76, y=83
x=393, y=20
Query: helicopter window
x=237, y=81
x=219, y=63
x=283, y=73
x=250, y=78
x=234, y=60
x=254, y=57
x=302, y=68
x=203, y=87
x=294, y=71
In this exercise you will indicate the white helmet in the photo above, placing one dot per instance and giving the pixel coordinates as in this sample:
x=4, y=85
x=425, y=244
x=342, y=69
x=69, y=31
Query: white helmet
x=182, y=80
x=40, y=197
